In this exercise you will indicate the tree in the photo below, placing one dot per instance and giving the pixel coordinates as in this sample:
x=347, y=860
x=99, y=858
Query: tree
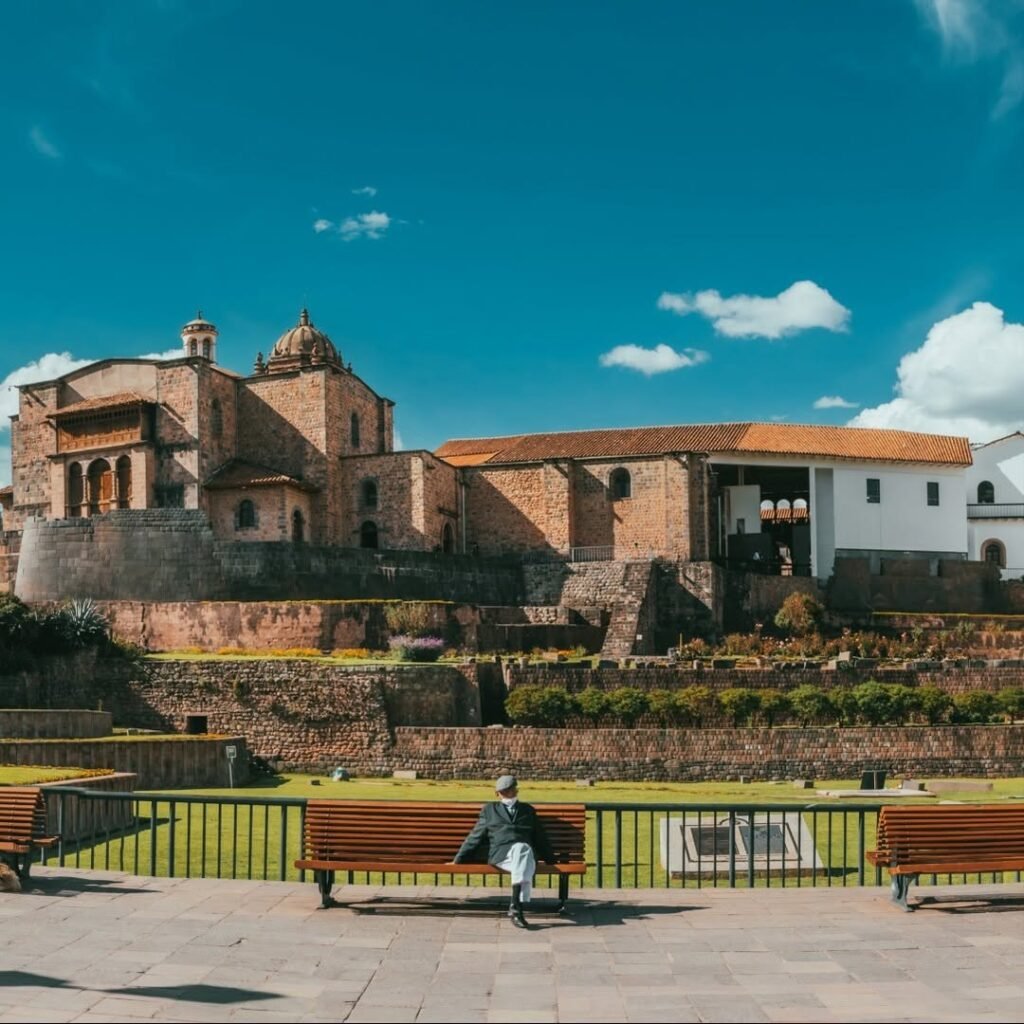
x=739, y=704
x=1011, y=702
x=844, y=705
x=799, y=615
x=934, y=703
x=775, y=705
x=695, y=703
x=547, y=706
x=592, y=703
x=662, y=706
x=883, y=704
x=627, y=703
x=974, y=707
x=810, y=704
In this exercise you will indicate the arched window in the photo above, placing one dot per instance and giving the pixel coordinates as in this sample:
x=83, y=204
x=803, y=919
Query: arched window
x=124, y=482
x=620, y=484
x=216, y=419
x=101, y=487
x=76, y=491
x=298, y=527
x=206, y=348
x=986, y=493
x=192, y=350
x=246, y=515
x=355, y=430
x=447, y=539
x=993, y=551
x=369, y=493
x=368, y=534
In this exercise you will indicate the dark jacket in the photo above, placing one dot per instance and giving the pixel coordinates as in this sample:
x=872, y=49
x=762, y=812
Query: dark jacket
x=496, y=831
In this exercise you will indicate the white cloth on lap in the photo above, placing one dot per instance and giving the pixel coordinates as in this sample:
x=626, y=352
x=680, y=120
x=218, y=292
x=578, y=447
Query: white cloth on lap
x=521, y=865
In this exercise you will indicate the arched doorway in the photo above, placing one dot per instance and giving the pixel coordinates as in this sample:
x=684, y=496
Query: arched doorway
x=124, y=482
x=101, y=487
x=76, y=491
x=368, y=535
x=298, y=527
x=447, y=539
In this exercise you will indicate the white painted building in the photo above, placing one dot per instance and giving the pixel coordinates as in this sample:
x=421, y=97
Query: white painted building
x=995, y=504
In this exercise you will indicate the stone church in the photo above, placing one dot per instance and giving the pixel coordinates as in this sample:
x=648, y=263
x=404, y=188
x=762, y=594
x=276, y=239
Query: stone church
x=299, y=455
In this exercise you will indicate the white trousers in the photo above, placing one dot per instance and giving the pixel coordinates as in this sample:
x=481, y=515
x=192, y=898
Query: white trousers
x=521, y=865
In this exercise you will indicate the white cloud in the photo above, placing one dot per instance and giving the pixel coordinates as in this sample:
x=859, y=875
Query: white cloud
x=834, y=402
x=53, y=364
x=649, y=361
x=399, y=444
x=322, y=224
x=973, y=30
x=171, y=353
x=42, y=144
x=5, y=464
x=965, y=379
x=802, y=306
x=366, y=190
x=365, y=225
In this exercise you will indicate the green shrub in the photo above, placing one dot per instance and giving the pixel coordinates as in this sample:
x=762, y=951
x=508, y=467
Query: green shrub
x=774, y=706
x=695, y=704
x=416, y=648
x=799, y=615
x=1011, y=702
x=661, y=705
x=739, y=704
x=627, y=703
x=592, y=703
x=412, y=618
x=974, y=707
x=547, y=706
x=934, y=703
x=810, y=704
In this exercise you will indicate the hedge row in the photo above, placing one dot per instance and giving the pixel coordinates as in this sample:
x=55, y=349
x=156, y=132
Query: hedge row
x=870, y=703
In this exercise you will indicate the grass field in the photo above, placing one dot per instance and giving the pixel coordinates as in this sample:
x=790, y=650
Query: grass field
x=260, y=838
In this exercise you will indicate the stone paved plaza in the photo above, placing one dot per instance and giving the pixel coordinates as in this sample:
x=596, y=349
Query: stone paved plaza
x=103, y=946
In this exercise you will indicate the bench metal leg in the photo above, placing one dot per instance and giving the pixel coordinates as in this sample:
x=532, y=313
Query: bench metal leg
x=563, y=892
x=325, y=881
x=899, y=887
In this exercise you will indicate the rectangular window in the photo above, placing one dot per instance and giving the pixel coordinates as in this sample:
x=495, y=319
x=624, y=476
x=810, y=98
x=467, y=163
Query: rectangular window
x=170, y=496
x=874, y=490
x=933, y=492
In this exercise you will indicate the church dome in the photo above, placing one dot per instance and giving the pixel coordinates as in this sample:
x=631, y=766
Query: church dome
x=302, y=345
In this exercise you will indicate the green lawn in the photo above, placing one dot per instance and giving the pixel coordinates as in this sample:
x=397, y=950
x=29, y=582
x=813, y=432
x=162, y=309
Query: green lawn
x=259, y=839
x=31, y=775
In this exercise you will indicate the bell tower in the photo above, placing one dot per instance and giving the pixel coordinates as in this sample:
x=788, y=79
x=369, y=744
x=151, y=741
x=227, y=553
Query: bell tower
x=199, y=338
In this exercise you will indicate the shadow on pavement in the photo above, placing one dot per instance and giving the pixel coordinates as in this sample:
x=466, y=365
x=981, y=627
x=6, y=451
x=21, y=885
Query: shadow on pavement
x=198, y=993
x=72, y=885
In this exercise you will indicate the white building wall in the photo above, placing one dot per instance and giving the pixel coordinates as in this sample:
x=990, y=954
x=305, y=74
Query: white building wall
x=902, y=521
x=744, y=502
x=1001, y=464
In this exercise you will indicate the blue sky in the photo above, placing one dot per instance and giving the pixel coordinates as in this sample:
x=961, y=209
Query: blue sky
x=532, y=217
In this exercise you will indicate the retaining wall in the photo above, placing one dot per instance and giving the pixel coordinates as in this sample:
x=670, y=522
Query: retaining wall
x=79, y=818
x=63, y=723
x=159, y=763
x=707, y=754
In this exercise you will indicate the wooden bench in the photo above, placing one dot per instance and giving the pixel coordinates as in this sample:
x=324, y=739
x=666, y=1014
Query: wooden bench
x=387, y=835
x=22, y=826
x=916, y=841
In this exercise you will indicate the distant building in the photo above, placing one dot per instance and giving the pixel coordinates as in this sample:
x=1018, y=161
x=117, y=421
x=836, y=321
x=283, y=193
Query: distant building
x=995, y=504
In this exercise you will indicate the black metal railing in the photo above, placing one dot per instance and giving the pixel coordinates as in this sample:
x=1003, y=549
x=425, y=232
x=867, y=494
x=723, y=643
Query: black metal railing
x=992, y=511
x=632, y=846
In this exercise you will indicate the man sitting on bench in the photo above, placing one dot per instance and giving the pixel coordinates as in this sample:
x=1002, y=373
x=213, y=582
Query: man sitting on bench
x=514, y=837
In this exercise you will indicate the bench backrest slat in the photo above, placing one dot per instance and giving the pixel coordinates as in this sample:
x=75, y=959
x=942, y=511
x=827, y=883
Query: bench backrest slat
x=22, y=813
x=430, y=832
x=960, y=833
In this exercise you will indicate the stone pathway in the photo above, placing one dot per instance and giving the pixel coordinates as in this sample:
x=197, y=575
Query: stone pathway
x=103, y=946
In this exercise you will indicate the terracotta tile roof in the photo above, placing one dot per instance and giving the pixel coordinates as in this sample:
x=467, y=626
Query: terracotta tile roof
x=859, y=443
x=101, y=402
x=238, y=473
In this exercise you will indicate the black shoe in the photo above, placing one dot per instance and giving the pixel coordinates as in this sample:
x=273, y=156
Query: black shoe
x=515, y=915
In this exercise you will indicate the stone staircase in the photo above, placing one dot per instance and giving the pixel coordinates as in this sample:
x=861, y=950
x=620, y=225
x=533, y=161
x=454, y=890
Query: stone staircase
x=628, y=611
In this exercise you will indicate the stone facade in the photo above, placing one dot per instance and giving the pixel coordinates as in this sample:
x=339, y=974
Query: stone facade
x=66, y=723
